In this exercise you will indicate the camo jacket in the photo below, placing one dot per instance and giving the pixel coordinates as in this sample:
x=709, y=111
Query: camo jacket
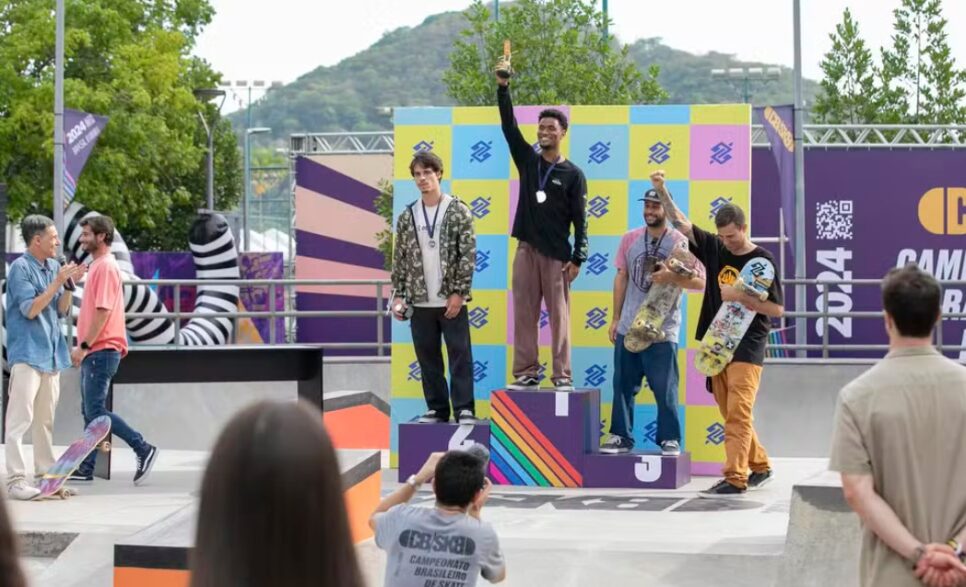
x=457, y=255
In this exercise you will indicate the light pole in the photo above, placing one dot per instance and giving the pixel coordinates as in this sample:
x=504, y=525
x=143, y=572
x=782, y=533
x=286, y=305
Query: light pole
x=248, y=181
x=746, y=75
x=248, y=85
x=58, y=196
x=205, y=95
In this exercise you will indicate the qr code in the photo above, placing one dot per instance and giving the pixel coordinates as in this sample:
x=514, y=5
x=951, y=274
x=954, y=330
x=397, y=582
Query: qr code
x=833, y=220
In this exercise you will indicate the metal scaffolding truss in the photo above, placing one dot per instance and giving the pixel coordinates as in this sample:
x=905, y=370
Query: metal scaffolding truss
x=817, y=136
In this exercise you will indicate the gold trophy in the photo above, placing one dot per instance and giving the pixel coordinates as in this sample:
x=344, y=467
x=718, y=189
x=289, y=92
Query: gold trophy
x=503, y=69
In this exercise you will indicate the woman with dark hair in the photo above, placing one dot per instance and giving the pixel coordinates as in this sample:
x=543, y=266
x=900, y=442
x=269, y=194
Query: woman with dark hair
x=272, y=511
x=11, y=575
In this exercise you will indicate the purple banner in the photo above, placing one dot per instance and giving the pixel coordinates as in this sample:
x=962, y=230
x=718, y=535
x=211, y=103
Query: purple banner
x=869, y=211
x=778, y=122
x=81, y=131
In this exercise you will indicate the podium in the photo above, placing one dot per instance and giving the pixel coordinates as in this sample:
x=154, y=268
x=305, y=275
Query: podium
x=544, y=438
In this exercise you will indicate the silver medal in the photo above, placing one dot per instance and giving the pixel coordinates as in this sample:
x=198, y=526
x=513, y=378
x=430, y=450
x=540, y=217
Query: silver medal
x=541, y=196
x=432, y=244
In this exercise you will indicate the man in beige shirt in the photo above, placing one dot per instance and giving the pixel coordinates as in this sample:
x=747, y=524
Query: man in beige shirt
x=900, y=445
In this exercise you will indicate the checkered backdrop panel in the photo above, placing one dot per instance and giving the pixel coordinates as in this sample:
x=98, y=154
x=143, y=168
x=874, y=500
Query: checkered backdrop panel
x=706, y=152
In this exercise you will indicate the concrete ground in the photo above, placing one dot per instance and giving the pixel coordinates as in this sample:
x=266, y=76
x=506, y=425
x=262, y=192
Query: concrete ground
x=549, y=536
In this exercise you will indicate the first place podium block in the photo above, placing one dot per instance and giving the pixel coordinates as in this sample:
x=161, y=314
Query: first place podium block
x=418, y=441
x=637, y=470
x=540, y=438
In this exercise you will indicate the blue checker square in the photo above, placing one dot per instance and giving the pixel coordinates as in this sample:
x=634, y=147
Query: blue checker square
x=598, y=271
x=600, y=150
x=405, y=192
x=403, y=410
x=683, y=331
x=663, y=114
x=489, y=369
x=479, y=152
x=645, y=426
x=593, y=367
x=680, y=191
x=491, y=262
x=401, y=331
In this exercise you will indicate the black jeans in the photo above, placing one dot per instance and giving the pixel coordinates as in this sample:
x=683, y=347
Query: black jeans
x=430, y=327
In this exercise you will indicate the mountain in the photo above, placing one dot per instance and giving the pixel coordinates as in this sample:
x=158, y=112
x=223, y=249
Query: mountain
x=404, y=68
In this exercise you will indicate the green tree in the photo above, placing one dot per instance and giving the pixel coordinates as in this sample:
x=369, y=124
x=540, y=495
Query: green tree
x=848, y=89
x=129, y=60
x=919, y=80
x=560, y=56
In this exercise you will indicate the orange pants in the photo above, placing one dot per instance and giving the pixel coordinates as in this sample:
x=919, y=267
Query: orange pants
x=735, y=389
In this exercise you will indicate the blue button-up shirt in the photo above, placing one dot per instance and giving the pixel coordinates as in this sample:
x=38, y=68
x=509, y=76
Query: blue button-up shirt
x=39, y=342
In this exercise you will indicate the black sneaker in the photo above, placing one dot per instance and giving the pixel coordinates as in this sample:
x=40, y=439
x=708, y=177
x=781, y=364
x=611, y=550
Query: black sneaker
x=145, y=462
x=722, y=490
x=432, y=417
x=563, y=384
x=78, y=477
x=615, y=445
x=524, y=383
x=757, y=480
x=467, y=417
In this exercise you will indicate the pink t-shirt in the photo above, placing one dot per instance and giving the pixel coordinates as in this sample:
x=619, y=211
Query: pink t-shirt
x=103, y=290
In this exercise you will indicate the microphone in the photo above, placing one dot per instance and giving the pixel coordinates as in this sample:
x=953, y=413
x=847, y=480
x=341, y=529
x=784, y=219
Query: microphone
x=69, y=285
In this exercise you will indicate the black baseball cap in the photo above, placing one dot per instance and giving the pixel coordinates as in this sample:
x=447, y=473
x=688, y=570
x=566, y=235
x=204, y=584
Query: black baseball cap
x=651, y=195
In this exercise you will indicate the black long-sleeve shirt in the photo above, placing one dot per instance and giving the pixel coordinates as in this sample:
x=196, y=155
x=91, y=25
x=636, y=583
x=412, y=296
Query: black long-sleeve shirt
x=546, y=226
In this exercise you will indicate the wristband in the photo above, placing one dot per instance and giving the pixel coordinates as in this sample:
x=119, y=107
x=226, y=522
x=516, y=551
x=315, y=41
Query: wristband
x=957, y=549
x=412, y=482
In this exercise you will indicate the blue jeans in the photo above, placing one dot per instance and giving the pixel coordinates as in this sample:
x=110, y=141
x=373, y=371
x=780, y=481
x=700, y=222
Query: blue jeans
x=97, y=370
x=659, y=364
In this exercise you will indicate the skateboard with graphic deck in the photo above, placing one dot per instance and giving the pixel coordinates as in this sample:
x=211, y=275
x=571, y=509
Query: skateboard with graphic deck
x=53, y=481
x=718, y=346
x=647, y=325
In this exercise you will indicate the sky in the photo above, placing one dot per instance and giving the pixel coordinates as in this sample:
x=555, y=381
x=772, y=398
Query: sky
x=283, y=39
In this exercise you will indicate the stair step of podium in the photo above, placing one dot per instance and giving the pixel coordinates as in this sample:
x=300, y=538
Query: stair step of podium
x=418, y=441
x=637, y=470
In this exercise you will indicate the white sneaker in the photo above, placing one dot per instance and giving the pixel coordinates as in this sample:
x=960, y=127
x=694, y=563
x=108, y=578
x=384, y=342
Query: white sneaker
x=22, y=490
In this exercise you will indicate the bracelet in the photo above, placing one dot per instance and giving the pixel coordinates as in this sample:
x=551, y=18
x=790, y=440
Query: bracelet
x=919, y=552
x=957, y=549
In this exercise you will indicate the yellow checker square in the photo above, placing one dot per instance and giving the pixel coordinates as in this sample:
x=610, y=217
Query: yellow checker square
x=545, y=357
x=530, y=134
x=721, y=114
x=600, y=114
x=476, y=115
x=487, y=316
x=606, y=207
x=704, y=435
x=645, y=396
x=693, y=301
x=410, y=139
x=488, y=200
x=590, y=315
x=707, y=197
x=406, y=377
x=660, y=146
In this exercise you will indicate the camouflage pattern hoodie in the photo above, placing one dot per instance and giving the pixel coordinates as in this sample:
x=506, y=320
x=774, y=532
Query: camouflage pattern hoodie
x=457, y=254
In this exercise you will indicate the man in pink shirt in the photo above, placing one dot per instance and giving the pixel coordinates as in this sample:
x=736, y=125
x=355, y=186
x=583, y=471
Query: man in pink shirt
x=103, y=342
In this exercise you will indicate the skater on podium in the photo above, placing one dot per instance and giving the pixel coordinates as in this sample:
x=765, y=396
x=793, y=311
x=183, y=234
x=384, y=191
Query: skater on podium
x=724, y=255
x=640, y=263
x=434, y=258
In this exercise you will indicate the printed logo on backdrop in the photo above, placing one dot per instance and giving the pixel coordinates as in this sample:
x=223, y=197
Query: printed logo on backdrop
x=596, y=318
x=542, y=372
x=943, y=210
x=721, y=153
x=597, y=206
x=659, y=152
x=482, y=261
x=595, y=375
x=833, y=220
x=480, y=151
x=717, y=204
x=599, y=152
x=597, y=263
x=422, y=146
x=479, y=317
x=716, y=434
x=415, y=373
x=480, y=369
x=544, y=318
x=480, y=207
x=650, y=432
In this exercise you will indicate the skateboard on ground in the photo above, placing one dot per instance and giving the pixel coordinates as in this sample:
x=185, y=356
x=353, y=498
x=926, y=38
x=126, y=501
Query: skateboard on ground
x=717, y=348
x=647, y=325
x=53, y=481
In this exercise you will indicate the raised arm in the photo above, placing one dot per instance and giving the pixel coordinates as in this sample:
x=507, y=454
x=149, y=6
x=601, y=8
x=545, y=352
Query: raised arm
x=520, y=149
x=677, y=218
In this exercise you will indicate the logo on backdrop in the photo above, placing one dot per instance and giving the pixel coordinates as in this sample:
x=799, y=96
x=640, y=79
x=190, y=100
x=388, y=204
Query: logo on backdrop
x=599, y=152
x=721, y=153
x=480, y=207
x=422, y=146
x=943, y=211
x=716, y=434
x=415, y=373
x=479, y=317
x=481, y=151
x=597, y=206
x=596, y=318
x=480, y=369
x=597, y=264
x=595, y=375
x=659, y=152
x=482, y=261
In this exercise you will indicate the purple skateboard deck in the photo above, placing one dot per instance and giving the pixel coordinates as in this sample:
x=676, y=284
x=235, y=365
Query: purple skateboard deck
x=75, y=454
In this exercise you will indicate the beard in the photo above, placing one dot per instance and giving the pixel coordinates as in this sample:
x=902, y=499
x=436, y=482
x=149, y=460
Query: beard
x=655, y=222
